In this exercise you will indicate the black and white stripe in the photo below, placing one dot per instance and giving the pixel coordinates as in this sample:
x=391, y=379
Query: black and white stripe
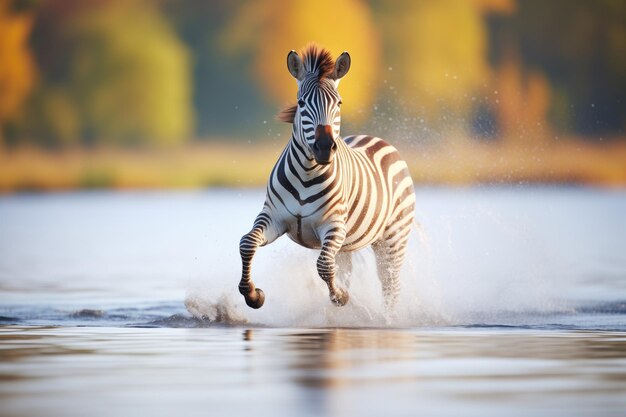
x=332, y=194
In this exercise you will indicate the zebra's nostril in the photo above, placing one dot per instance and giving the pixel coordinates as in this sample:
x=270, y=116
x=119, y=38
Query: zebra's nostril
x=334, y=146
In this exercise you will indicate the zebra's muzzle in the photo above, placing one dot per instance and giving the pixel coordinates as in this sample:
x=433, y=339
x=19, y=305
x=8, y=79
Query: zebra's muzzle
x=324, y=146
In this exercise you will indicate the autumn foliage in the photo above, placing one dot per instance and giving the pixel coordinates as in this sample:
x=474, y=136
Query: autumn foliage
x=164, y=73
x=17, y=70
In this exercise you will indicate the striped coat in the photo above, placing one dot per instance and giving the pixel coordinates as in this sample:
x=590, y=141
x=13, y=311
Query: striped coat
x=332, y=194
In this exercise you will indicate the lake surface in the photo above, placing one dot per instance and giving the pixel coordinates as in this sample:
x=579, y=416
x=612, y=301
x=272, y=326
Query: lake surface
x=126, y=303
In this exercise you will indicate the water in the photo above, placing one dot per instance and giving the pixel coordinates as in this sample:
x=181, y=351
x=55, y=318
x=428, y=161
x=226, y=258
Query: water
x=125, y=303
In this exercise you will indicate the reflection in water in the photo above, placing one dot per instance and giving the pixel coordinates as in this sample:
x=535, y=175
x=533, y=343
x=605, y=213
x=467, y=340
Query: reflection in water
x=336, y=370
x=328, y=362
x=367, y=372
x=344, y=349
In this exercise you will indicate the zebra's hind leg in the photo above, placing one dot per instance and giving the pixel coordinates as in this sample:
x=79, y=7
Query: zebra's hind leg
x=390, y=249
x=326, y=266
x=261, y=234
x=390, y=254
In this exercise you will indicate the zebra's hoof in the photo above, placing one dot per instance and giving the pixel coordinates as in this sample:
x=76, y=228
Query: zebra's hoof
x=340, y=298
x=257, y=300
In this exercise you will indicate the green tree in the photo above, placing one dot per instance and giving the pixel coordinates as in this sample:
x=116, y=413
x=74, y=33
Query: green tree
x=228, y=102
x=436, y=53
x=114, y=72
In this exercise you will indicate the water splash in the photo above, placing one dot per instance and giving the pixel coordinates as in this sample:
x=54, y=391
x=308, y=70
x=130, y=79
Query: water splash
x=221, y=311
x=463, y=268
x=521, y=257
x=297, y=297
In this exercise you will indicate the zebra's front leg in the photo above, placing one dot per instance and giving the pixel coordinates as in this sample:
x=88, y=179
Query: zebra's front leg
x=262, y=233
x=326, y=266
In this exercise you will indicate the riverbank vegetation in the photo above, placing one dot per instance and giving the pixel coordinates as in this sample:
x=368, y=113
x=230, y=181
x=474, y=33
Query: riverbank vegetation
x=238, y=165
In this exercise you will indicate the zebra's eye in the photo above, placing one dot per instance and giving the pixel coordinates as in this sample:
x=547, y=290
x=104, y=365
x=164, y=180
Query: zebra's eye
x=340, y=103
x=301, y=103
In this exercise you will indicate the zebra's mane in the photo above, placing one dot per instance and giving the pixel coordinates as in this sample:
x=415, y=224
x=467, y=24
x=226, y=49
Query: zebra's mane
x=318, y=62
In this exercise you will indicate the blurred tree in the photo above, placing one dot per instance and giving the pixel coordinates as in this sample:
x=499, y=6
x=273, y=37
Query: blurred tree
x=227, y=101
x=120, y=70
x=436, y=51
x=17, y=70
x=113, y=72
x=581, y=47
x=268, y=30
x=521, y=103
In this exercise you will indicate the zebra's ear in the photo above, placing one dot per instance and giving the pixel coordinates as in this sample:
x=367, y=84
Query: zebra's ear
x=295, y=65
x=342, y=65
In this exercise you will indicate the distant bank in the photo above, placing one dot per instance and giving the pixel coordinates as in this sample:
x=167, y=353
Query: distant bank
x=248, y=165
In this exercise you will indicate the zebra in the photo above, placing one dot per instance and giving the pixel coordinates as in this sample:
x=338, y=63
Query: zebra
x=332, y=194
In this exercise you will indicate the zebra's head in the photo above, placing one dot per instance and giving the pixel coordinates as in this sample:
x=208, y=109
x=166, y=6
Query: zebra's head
x=317, y=116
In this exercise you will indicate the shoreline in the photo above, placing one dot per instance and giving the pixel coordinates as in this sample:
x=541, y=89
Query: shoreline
x=239, y=165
